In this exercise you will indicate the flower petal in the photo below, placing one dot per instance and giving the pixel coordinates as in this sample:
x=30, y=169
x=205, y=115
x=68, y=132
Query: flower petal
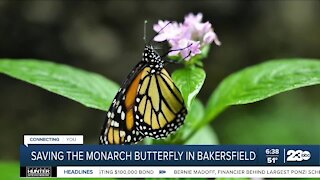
x=160, y=25
x=187, y=38
x=160, y=37
x=191, y=18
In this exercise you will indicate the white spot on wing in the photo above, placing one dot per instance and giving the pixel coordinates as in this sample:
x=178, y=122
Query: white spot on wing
x=123, y=116
x=116, y=124
x=122, y=133
x=119, y=109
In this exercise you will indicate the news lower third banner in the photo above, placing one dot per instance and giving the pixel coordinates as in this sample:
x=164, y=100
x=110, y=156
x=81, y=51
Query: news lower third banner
x=63, y=159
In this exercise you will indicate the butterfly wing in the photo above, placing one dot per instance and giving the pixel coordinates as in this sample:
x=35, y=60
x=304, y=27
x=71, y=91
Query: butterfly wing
x=159, y=108
x=147, y=104
x=119, y=126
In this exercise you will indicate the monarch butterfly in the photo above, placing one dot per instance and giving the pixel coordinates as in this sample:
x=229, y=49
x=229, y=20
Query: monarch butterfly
x=148, y=104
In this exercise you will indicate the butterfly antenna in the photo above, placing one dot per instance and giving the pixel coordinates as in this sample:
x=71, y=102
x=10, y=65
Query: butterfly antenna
x=159, y=31
x=145, y=31
x=172, y=50
x=180, y=60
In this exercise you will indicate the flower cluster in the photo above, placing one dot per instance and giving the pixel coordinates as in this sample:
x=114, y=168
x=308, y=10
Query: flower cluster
x=187, y=38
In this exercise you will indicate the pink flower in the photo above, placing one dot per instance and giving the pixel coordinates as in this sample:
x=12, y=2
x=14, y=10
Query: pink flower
x=171, y=31
x=211, y=36
x=190, y=36
x=192, y=50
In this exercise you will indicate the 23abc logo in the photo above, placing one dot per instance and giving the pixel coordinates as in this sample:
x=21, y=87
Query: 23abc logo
x=298, y=155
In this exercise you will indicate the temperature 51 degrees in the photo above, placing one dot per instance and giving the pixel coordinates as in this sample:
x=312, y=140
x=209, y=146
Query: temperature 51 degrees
x=272, y=160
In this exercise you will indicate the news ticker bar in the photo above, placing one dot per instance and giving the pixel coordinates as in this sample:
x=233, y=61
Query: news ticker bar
x=174, y=172
x=169, y=155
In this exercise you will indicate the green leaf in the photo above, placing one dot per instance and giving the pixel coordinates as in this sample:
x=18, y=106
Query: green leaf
x=260, y=82
x=195, y=113
x=204, y=136
x=89, y=89
x=189, y=80
x=9, y=170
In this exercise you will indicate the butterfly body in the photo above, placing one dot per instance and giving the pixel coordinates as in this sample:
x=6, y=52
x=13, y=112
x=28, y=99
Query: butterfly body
x=148, y=104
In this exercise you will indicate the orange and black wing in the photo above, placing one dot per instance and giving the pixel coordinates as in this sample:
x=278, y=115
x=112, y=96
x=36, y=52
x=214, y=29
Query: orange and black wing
x=148, y=104
x=119, y=126
x=159, y=108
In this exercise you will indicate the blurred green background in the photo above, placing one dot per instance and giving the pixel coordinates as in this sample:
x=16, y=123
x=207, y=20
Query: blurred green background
x=106, y=37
